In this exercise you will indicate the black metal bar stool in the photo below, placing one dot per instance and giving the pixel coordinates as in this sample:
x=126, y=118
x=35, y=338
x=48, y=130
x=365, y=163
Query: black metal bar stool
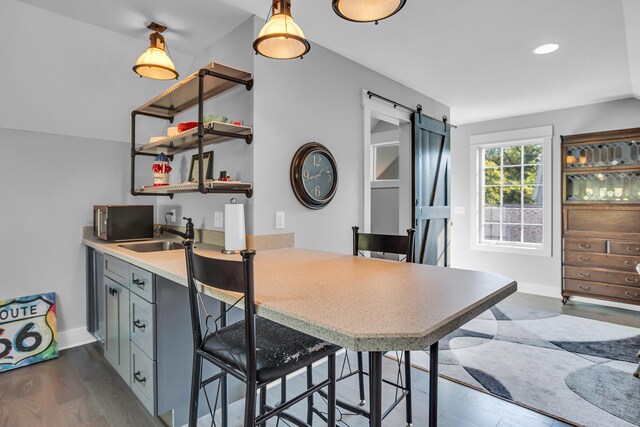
x=386, y=244
x=255, y=350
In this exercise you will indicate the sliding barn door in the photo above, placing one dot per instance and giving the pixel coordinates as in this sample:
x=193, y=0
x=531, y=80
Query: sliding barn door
x=431, y=189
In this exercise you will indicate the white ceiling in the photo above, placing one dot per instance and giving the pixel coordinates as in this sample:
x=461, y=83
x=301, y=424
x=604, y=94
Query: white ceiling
x=475, y=56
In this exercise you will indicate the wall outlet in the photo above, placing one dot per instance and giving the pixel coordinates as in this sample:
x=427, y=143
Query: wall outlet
x=218, y=219
x=279, y=220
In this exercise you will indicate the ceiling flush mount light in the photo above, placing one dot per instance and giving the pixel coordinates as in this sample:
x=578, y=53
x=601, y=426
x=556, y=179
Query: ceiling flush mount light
x=546, y=48
x=367, y=10
x=154, y=63
x=281, y=37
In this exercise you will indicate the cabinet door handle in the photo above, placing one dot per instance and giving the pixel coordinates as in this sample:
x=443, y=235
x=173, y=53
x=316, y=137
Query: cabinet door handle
x=139, y=283
x=629, y=263
x=584, y=288
x=631, y=281
x=584, y=245
x=138, y=324
x=139, y=378
x=634, y=250
x=583, y=275
x=629, y=294
x=585, y=259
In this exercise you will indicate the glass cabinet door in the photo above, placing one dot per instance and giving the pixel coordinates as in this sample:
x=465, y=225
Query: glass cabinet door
x=602, y=172
x=603, y=187
x=603, y=155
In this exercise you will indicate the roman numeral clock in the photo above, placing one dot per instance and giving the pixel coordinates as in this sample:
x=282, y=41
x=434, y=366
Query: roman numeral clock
x=314, y=175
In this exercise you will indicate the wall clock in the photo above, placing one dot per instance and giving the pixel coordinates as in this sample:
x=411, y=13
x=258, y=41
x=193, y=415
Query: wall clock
x=314, y=175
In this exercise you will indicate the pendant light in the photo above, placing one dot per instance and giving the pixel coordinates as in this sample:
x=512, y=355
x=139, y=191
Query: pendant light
x=367, y=10
x=154, y=63
x=281, y=37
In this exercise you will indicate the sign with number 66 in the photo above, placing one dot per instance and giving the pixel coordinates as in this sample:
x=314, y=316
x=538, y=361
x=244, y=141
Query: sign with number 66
x=27, y=330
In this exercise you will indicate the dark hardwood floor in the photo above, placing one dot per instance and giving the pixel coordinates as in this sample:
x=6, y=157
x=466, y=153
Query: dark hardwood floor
x=81, y=389
x=77, y=389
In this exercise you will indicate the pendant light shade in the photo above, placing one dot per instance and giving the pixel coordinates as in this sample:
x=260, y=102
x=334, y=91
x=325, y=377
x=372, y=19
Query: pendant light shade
x=154, y=63
x=281, y=37
x=367, y=10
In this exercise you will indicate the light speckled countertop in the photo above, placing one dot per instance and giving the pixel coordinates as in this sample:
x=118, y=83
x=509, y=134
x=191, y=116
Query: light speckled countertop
x=358, y=303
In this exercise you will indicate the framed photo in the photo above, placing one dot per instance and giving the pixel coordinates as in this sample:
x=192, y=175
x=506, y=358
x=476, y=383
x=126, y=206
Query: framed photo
x=207, y=164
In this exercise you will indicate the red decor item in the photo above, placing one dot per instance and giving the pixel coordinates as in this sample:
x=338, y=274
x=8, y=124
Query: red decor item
x=161, y=170
x=185, y=126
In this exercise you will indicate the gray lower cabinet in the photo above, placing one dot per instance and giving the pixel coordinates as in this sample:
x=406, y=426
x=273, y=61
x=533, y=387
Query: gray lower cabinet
x=117, y=340
x=148, y=337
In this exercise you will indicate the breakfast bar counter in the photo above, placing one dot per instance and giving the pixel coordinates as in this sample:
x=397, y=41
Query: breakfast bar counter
x=361, y=304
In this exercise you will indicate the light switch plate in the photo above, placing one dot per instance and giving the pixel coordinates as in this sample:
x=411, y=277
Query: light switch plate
x=279, y=220
x=459, y=210
x=218, y=219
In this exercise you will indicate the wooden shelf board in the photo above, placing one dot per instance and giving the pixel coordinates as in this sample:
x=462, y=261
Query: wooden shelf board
x=189, y=139
x=184, y=94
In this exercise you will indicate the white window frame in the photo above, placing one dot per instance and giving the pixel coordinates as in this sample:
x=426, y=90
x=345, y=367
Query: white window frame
x=539, y=135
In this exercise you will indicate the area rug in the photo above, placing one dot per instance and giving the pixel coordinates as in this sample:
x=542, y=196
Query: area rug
x=571, y=368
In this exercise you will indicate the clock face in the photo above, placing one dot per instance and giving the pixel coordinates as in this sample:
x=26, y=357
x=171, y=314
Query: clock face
x=318, y=175
x=314, y=175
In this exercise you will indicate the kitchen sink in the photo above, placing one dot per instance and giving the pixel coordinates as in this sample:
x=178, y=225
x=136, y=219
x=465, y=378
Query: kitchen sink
x=153, y=246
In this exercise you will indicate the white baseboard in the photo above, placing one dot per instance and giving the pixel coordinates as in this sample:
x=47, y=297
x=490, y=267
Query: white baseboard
x=74, y=337
x=553, y=292
x=541, y=290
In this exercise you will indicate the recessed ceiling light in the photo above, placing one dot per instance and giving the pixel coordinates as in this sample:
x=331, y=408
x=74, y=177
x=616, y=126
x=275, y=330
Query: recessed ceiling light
x=546, y=48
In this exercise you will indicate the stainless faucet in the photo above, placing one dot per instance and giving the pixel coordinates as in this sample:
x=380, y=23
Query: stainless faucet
x=188, y=235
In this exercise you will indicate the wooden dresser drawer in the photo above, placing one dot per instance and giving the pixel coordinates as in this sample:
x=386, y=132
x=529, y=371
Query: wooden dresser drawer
x=609, y=222
x=586, y=245
x=601, y=275
x=624, y=248
x=602, y=289
x=614, y=262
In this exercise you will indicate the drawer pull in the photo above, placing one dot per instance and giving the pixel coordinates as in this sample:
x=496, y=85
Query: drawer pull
x=630, y=249
x=138, y=324
x=629, y=263
x=585, y=259
x=139, y=378
x=584, y=245
x=631, y=281
x=634, y=295
x=584, y=275
x=139, y=283
x=584, y=288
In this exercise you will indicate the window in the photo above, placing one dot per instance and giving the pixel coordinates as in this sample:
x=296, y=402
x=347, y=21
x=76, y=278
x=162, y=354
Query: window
x=386, y=162
x=512, y=202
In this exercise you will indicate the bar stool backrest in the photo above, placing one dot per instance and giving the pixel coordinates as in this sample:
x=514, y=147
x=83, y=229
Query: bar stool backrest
x=227, y=275
x=387, y=243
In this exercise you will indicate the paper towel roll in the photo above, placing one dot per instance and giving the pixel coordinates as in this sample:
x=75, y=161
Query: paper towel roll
x=234, y=232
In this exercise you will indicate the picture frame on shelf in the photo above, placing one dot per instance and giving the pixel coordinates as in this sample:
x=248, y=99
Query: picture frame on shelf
x=207, y=162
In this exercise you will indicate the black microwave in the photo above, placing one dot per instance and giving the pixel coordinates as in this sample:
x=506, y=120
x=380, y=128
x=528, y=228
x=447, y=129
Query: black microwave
x=115, y=223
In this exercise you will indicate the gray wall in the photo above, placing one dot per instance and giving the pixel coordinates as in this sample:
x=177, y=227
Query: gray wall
x=534, y=273
x=385, y=214
x=50, y=183
x=316, y=99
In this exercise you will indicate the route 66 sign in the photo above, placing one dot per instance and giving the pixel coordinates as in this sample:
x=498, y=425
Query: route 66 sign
x=27, y=331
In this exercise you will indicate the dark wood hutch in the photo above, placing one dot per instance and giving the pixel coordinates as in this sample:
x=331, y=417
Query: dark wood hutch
x=601, y=215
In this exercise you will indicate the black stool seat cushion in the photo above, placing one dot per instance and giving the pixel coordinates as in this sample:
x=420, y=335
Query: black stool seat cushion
x=280, y=349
